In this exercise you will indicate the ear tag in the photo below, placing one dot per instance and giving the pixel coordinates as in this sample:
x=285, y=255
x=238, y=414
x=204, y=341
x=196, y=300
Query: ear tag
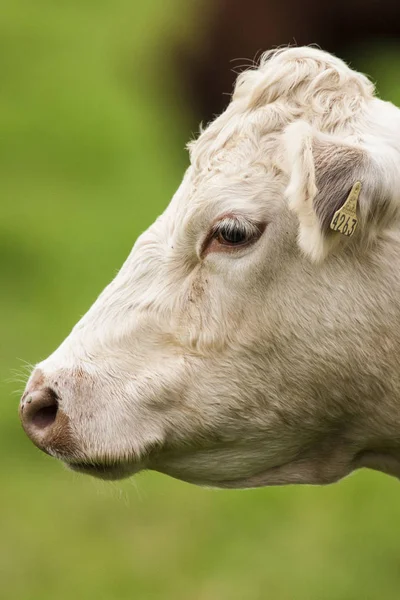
x=345, y=219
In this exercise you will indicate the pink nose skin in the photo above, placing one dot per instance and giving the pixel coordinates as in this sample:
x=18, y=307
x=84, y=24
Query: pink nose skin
x=39, y=411
x=44, y=423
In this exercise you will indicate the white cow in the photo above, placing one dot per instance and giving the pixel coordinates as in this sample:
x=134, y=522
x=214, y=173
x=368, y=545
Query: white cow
x=253, y=335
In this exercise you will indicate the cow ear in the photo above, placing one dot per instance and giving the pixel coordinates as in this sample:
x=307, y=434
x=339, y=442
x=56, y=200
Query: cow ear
x=337, y=189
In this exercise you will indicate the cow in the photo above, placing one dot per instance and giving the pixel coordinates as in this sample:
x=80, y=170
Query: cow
x=252, y=337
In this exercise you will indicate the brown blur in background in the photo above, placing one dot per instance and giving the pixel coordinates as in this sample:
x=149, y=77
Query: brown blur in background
x=238, y=31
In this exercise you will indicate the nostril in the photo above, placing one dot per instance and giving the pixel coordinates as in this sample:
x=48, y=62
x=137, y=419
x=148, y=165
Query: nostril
x=39, y=410
x=45, y=416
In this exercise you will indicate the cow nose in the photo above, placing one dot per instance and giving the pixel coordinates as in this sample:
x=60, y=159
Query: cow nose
x=44, y=420
x=38, y=413
x=39, y=409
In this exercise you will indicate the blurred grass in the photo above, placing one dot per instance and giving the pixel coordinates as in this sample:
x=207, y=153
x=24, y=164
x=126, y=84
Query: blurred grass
x=92, y=129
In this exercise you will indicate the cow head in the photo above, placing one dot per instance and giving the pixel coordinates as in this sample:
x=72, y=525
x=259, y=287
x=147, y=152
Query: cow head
x=245, y=342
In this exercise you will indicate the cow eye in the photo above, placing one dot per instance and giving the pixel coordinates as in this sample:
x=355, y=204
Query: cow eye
x=231, y=232
x=235, y=232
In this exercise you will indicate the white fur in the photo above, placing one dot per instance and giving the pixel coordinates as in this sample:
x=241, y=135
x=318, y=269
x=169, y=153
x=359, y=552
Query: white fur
x=273, y=364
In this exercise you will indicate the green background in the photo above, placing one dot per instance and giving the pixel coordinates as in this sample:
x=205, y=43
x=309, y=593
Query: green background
x=92, y=130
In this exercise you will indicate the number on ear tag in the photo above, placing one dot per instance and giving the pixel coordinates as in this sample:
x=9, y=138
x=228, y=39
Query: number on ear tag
x=345, y=219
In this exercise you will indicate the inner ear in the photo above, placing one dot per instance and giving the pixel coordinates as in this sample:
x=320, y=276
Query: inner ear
x=337, y=169
x=322, y=172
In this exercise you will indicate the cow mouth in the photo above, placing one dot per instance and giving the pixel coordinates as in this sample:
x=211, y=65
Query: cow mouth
x=108, y=472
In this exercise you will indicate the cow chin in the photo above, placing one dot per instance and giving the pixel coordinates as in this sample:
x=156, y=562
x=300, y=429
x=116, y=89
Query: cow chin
x=194, y=469
x=217, y=472
x=107, y=472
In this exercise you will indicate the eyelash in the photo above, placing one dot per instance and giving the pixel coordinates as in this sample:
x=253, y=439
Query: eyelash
x=235, y=225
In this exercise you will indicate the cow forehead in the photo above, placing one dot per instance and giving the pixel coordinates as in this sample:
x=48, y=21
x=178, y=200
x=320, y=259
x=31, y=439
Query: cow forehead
x=253, y=190
x=234, y=143
x=235, y=167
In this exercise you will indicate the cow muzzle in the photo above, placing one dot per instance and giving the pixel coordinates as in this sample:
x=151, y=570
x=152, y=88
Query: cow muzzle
x=43, y=419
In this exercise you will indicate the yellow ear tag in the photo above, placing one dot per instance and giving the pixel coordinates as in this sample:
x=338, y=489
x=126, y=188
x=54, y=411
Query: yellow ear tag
x=345, y=219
